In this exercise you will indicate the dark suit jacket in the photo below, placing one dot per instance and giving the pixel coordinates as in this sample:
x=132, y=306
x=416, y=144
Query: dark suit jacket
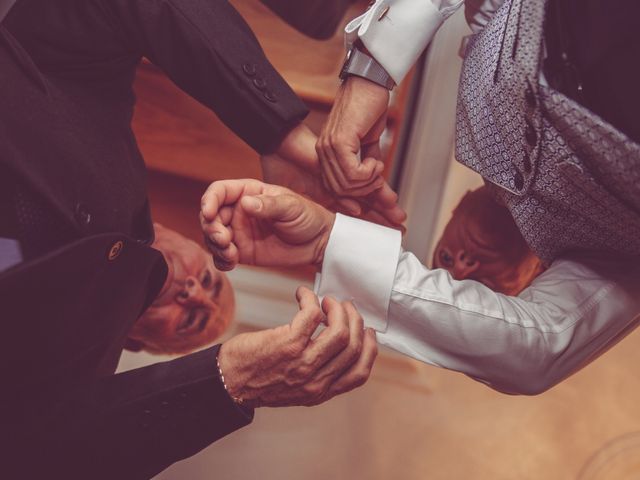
x=66, y=69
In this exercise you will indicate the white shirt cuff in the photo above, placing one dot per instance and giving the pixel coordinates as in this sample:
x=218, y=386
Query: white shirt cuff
x=397, y=31
x=359, y=264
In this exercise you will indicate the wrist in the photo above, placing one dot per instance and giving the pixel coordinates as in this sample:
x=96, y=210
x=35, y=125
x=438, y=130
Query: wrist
x=323, y=241
x=361, y=63
x=228, y=376
x=299, y=147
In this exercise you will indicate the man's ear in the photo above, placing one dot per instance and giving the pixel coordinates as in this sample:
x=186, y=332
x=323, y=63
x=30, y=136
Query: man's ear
x=133, y=345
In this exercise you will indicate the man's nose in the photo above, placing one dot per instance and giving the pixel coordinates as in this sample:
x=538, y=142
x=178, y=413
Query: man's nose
x=193, y=292
x=464, y=265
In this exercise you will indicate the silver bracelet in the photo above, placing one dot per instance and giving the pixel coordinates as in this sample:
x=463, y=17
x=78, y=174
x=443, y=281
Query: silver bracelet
x=236, y=400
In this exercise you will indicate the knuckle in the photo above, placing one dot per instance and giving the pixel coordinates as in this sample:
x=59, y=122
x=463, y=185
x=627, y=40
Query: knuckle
x=353, y=351
x=360, y=378
x=303, y=372
x=341, y=337
x=315, y=312
x=294, y=348
x=325, y=143
x=293, y=382
x=313, y=391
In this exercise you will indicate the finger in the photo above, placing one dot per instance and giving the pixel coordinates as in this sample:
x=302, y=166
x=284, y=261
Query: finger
x=333, y=339
x=372, y=150
x=384, y=201
x=350, y=354
x=341, y=148
x=225, y=215
x=349, y=206
x=310, y=316
x=226, y=259
x=333, y=173
x=218, y=240
x=226, y=192
x=385, y=197
x=350, y=165
x=328, y=175
x=353, y=187
x=360, y=371
x=279, y=208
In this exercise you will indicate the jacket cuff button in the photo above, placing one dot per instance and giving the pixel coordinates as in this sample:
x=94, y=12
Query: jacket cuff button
x=259, y=83
x=249, y=69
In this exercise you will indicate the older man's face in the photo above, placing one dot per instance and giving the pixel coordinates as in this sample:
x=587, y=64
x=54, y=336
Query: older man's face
x=195, y=305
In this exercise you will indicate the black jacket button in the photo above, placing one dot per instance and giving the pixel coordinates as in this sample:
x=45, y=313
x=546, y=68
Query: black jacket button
x=260, y=83
x=82, y=215
x=270, y=96
x=249, y=69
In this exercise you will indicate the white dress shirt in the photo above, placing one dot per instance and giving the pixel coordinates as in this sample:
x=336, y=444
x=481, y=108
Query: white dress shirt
x=397, y=31
x=569, y=315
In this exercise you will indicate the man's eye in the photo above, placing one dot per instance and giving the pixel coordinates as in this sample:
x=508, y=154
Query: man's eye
x=206, y=279
x=217, y=288
x=446, y=258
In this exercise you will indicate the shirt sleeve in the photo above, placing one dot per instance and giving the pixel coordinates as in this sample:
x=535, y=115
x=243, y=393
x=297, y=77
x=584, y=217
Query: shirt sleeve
x=351, y=256
x=525, y=344
x=396, y=32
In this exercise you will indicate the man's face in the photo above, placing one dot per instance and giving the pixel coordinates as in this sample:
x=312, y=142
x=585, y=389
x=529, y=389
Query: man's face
x=481, y=242
x=196, y=304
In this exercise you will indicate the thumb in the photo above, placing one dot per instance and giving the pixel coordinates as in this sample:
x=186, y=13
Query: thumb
x=268, y=207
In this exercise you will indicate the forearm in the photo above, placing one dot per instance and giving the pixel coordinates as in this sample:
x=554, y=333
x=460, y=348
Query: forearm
x=210, y=52
x=204, y=46
x=524, y=344
x=131, y=425
x=521, y=344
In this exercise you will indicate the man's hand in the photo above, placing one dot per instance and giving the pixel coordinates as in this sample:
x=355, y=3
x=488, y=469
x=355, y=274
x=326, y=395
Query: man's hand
x=285, y=366
x=298, y=150
x=251, y=222
x=354, y=126
x=308, y=182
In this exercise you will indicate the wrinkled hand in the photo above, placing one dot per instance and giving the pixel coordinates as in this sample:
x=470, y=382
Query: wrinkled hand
x=255, y=223
x=357, y=119
x=285, y=366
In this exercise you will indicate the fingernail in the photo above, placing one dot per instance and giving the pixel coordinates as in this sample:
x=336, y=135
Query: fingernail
x=252, y=203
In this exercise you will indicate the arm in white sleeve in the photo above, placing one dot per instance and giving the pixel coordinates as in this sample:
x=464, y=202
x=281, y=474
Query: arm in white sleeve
x=396, y=32
x=525, y=344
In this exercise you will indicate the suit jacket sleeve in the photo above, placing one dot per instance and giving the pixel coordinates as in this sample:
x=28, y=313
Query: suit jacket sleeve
x=204, y=46
x=63, y=413
x=209, y=51
x=129, y=426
